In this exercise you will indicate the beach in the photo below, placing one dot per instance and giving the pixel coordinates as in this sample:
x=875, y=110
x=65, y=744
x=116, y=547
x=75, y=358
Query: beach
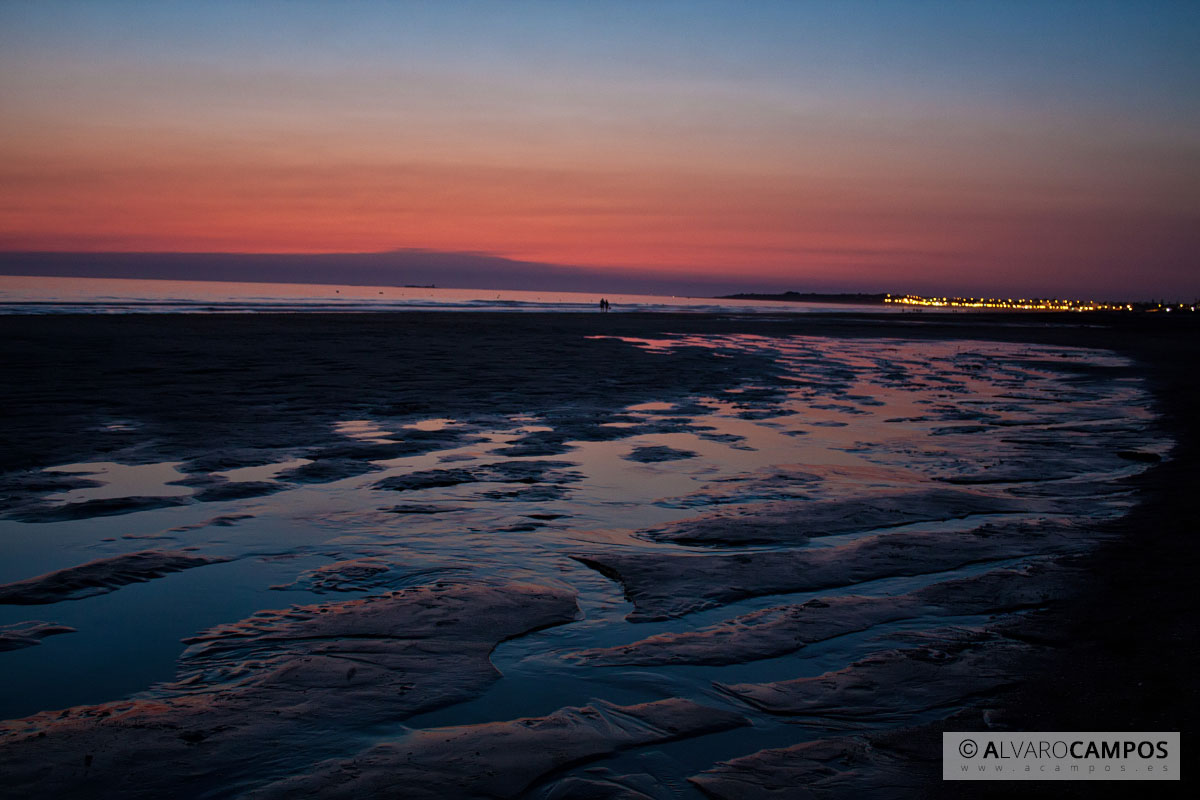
x=585, y=555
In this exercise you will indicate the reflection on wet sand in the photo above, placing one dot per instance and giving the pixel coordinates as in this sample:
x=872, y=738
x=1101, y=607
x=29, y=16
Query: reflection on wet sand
x=777, y=544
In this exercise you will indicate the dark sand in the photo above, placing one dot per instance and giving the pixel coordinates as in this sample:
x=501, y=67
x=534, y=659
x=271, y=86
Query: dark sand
x=99, y=576
x=1124, y=654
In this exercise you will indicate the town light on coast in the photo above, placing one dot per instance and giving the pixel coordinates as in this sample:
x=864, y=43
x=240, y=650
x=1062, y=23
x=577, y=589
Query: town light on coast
x=1026, y=304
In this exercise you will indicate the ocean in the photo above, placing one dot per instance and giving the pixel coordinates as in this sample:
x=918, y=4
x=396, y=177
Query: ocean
x=40, y=295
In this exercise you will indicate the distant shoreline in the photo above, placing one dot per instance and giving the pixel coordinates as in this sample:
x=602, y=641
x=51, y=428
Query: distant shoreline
x=846, y=298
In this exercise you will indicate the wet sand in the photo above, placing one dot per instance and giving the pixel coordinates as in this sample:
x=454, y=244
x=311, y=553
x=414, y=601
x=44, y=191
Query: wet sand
x=307, y=400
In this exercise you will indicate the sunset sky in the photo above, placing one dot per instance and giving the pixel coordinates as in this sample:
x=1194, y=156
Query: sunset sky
x=959, y=147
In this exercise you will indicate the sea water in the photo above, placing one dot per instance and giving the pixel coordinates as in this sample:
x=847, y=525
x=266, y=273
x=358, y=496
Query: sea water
x=39, y=295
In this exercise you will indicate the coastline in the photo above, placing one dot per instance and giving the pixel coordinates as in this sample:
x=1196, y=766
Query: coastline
x=1122, y=655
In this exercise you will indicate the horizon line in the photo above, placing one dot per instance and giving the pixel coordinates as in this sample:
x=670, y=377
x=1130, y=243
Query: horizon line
x=461, y=267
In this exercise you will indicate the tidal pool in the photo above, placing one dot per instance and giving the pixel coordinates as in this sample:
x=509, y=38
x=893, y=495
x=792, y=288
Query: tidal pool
x=881, y=467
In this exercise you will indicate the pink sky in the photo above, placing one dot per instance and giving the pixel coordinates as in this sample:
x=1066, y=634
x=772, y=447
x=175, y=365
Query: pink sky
x=800, y=172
